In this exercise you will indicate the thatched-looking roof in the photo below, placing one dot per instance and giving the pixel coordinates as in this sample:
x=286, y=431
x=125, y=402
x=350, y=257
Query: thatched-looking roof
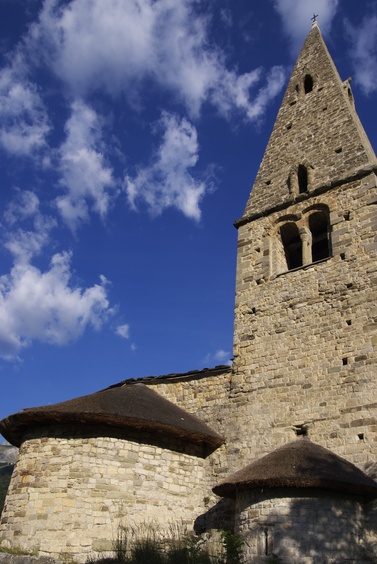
x=300, y=464
x=132, y=406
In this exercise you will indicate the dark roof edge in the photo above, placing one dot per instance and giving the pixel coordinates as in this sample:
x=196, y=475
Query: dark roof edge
x=175, y=377
x=212, y=441
x=230, y=490
x=361, y=173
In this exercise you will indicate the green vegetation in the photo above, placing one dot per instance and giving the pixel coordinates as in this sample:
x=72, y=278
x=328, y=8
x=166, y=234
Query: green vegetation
x=145, y=546
x=5, y=475
x=232, y=544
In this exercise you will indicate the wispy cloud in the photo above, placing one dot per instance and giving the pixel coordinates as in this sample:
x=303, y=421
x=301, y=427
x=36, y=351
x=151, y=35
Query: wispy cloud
x=24, y=124
x=117, y=46
x=296, y=17
x=87, y=52
x=26, y=230
x=24, y=205
x=123, y=331
x=85, y=175
x=218, y=357
x=167, y=181
x=364, y=52
x=41, y=305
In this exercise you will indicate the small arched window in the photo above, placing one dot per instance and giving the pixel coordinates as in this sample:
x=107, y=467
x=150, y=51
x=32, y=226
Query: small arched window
x=320, y=230
x=308, y=83
x=302, y=177
x=292, y=245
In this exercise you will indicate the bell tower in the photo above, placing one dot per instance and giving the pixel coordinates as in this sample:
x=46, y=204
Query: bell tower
x=305, y=340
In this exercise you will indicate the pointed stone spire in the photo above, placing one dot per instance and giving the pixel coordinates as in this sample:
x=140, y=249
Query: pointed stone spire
x=317, y=134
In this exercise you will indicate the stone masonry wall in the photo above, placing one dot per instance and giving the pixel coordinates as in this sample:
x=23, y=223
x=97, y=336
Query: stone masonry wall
x=304, y=355
x=69, y=493
x=208, y=399
x=305, y=343
x=203, y=397
x=306, y=340
x=301, y=528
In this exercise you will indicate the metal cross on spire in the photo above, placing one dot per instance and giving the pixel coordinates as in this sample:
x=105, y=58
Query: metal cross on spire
x=314, y=18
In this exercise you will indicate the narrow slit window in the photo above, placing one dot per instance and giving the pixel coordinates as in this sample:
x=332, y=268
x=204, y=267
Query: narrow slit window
x=266, y=543
x=319, y=227
x=350, y=96
x=308, y=83
x=292, y=245
x=302, y=176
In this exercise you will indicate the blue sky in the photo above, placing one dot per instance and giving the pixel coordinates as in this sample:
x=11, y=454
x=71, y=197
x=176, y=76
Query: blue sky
x=130, y=136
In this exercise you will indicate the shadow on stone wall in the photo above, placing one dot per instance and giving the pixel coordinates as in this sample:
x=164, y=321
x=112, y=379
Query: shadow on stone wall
x=300, y=535
x=218, y=517
x=371, y=515
x=328, y=538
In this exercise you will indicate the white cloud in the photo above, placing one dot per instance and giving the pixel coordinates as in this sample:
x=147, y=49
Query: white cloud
x=117, y=46
x=364, y=53
x=236, y=92
x=23, y=206
x=26, y=241
x=45, y=307
x=86, y=177
x=23, y=244
x=123, y=331
x=226, y=17
x=296, y=16
x=220, y=356
x=38, y=305
x=167, y=182
x=24, y=124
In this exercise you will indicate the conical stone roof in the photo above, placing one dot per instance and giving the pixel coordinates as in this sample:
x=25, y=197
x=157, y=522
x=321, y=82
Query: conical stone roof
x=133, y=406
x=317, y=126
x=300, y=464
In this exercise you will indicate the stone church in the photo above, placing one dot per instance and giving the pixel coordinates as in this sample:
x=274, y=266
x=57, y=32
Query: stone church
x=282, y=446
